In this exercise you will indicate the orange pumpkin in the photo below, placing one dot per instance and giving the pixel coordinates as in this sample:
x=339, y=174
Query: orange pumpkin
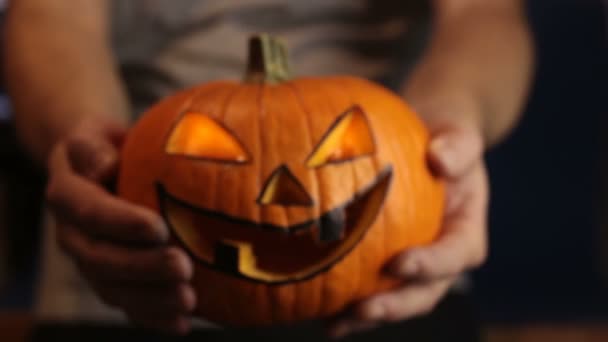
x=290, y=195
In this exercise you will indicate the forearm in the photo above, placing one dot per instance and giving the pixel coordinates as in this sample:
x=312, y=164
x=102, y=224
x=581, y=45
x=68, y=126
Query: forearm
x=59, y=69
x=479, y=63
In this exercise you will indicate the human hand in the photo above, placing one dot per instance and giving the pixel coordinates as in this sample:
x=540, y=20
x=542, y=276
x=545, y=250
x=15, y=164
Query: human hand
x=120, y=248
x=455, y=154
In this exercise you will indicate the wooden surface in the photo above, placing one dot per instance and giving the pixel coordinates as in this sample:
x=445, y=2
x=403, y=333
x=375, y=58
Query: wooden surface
x=14, y=327
x=549, y=333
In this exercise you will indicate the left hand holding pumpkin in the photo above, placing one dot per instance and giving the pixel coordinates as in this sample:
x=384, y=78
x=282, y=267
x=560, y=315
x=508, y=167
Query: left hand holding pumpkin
x=455, y=153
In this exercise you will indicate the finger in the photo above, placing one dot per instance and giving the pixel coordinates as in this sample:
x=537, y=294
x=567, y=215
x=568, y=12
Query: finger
x=157, y=301
x=411, y=301
x=347, y=327
x=101, y=260
x=95, y=155
x=88, y=206
x=454, y=149
x=462, y=244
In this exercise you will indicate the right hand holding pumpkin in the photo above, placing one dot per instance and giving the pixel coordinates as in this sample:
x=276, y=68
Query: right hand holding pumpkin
x=120, y=248
x=455, y=154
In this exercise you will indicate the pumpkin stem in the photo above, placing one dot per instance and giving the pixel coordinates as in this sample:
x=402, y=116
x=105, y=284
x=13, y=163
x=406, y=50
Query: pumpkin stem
x=268, y=62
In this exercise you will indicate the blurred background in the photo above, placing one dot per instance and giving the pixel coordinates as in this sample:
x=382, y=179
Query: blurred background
x=548, y=266
x=548, y=216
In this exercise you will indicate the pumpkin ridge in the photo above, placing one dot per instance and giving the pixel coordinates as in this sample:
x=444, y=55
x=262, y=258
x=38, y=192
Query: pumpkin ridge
x=260, y=179
x=295, y=289
x=230, y=312
x=304, y=109
x=181, y=111
x=282, y=294
x=248, y=290
x=183, y=108
x=357, y=183
x=248, y=276
x=381, y=219
x=325, y=289
x=264, y=114
x=261, y=113
x=226, y=101
x=293, y=86
x=358, y=272
x=327, y=96
x=223, y=119
x=261, y=288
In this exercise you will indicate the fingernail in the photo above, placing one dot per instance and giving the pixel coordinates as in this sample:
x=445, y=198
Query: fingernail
x=182, y=326
x=410, y=268
x=407, y=266
x=443, y=152
x=162, y=230
x=187, y=298
x=97, y=167
x=340, y=330
x=179, y=265
x=437, y=145
x=375, y=311
x=105, y=160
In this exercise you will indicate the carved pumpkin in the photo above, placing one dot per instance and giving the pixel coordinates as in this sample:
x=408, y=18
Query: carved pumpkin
x=290, y=195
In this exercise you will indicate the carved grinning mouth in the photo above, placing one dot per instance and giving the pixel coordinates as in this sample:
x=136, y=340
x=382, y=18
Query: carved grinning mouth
x=272, y=254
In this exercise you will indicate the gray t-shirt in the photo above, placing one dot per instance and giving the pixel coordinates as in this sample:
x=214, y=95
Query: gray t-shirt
x=165, y=45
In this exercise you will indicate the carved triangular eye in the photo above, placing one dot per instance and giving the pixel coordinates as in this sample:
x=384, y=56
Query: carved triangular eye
x=349, y=137
x=198, y=136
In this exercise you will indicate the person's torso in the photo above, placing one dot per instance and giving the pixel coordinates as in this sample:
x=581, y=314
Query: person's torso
x=165, y=45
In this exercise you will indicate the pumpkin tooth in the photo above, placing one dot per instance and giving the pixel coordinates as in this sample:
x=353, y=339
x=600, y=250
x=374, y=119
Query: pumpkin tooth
x=227, y=256
x=332, y=225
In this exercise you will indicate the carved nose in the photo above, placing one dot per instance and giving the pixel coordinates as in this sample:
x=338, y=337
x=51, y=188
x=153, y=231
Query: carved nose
x=283, y=188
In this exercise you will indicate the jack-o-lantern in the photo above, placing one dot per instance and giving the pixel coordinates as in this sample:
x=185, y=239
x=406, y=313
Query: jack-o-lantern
x=290, y=195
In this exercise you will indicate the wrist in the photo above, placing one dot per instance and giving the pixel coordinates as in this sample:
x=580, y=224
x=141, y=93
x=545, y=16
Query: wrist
x=455, y=108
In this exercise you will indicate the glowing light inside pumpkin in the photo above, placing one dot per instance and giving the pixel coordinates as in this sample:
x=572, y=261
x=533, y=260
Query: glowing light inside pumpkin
x=283, y=188
x=273, y=254
x=349, y=137
x=198, y=136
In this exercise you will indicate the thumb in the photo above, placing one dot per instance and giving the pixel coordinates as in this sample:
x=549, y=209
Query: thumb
x=93, y=153
x=454, y=149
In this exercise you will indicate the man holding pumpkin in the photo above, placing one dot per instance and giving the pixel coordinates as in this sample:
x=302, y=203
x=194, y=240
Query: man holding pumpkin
x=87, y=66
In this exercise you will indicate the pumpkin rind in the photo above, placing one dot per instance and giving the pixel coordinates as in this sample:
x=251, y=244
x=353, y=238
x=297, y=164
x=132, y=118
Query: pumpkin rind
x=280, y=125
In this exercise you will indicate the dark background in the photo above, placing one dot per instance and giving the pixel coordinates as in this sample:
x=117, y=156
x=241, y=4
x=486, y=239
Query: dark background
x=546, y=240
x=545, y=261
